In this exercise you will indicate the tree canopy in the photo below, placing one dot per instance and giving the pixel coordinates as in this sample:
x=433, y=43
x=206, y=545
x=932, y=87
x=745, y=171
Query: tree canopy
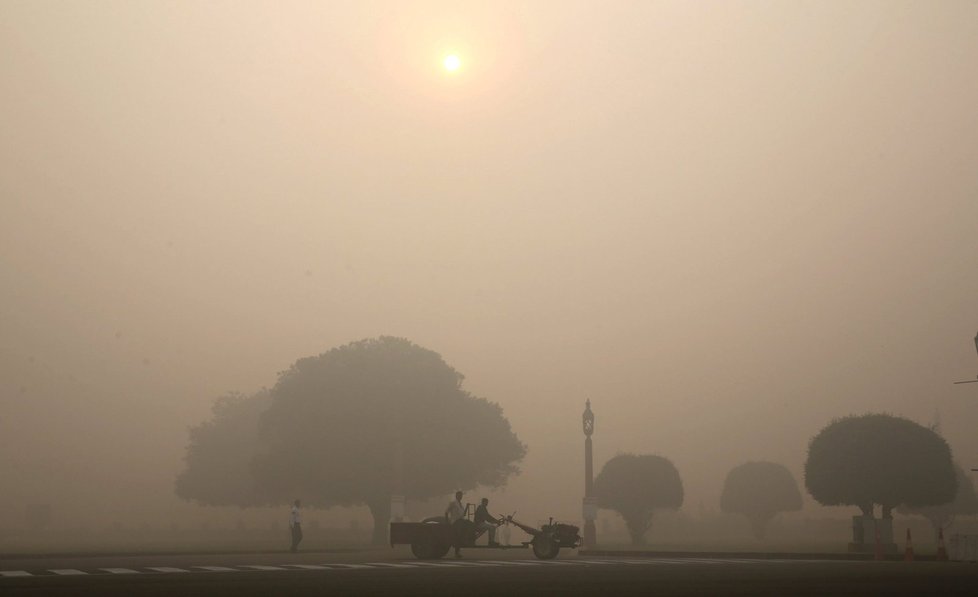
x=940, y=516
x=634, y=485
x=759, y=490
x=220, y=454
x=355, y=425
x=879, y=459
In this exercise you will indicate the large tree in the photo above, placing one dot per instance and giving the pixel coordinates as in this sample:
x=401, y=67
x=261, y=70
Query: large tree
x=635, y=485
x=941, y=516
x=377, y=417
x=759, y=490
x=220, y=454
x=879, y=459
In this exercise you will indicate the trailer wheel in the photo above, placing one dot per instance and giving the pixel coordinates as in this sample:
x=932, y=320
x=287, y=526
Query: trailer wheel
x=545, y=547
x=440, y=551
x=428, y=548
x=424, y=549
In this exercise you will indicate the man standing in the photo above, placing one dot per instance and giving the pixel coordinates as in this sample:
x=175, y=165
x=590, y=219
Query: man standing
x=487, y=522
x=454, y=513
x=295, y=523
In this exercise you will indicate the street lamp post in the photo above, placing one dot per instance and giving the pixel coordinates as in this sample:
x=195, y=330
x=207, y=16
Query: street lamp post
x=398, y=500
x=590, y=506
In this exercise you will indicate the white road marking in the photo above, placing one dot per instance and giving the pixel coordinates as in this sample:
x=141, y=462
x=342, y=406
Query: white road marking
x=68, y=572
x=261, y=567
x=167, y=569
x=390, y=565
x=550, y=562
x=15, y=573
x=682, y=561
x=120, y=570
x=308, y=566
x=514, y=563
x=440, y=564
x=350, y=566
x=216, y=568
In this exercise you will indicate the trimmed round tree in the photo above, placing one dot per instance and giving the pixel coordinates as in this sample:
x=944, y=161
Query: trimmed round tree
x=379, y=417
x=879, y=459
x=759, y=491
x=965, y=503
x=635, y=485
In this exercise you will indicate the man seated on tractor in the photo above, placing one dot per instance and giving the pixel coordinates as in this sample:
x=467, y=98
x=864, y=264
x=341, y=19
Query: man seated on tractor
x=487, y=522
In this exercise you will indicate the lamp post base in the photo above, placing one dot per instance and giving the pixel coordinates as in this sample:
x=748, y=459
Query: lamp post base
x=590, y=536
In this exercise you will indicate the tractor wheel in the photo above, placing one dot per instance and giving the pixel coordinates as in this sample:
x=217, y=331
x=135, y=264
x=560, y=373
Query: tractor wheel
x=545, y=547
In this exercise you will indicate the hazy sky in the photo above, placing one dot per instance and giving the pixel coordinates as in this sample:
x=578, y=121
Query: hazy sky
x=725, y=223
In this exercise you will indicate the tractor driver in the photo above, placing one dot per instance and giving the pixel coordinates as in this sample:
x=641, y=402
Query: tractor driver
x=487, y=522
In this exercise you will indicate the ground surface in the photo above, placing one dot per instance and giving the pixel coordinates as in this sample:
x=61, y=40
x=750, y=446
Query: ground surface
x=481, y=572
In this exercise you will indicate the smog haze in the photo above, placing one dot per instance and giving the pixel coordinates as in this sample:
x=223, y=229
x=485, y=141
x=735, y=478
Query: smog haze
x=724, y=223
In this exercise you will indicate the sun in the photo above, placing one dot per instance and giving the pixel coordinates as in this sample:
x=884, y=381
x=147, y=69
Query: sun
x=452, y=63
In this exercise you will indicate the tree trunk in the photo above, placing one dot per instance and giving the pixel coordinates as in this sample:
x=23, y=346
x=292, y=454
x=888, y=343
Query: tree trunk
x=758, y=526
x=936, y=525
x=887, y=512
x=381, y=512
x=637, y=530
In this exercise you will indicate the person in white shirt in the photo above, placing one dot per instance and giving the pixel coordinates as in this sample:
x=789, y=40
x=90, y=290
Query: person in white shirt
x=455, y=512
x=295, y=524
x=455, y=509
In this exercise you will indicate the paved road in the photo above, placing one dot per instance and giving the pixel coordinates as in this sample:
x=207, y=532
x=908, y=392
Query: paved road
x=480, y=573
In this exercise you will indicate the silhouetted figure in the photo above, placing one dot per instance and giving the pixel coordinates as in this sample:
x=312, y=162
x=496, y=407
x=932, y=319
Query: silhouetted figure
x=295, y=524
x=454, y=513
x=487, y=522
x=858, y=531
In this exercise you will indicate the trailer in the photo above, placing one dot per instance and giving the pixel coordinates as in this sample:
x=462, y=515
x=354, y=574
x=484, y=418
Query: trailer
x=431, y=538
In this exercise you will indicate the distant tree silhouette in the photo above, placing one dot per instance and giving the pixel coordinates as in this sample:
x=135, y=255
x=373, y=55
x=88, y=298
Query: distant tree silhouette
x=634, y=485
x=333, y=427
x=941, y=516
x=879, y=459
x=219, y=457
x=759, y=490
